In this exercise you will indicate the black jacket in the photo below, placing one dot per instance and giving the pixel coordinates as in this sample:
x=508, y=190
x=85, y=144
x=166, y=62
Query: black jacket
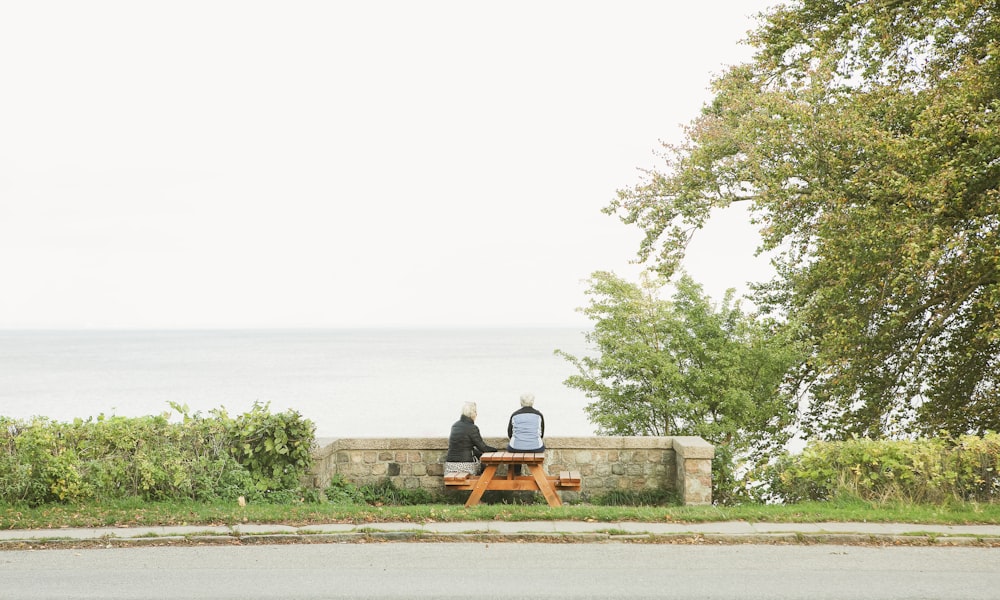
x=465, y=442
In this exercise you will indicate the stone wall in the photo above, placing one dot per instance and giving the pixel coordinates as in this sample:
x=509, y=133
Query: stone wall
x=605, y=464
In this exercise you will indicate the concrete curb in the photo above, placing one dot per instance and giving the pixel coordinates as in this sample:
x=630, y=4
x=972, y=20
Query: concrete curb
x=730, y=532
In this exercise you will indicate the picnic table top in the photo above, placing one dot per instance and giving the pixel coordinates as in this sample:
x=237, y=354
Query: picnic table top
x=526, y=458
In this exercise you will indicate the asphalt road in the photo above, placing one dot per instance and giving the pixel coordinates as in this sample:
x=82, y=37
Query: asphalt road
x=511, y=570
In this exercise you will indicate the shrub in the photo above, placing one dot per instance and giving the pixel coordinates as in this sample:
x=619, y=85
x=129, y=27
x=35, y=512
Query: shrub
x=924, y=470
x=341, y=491
x=258, y=455
x=276, y=449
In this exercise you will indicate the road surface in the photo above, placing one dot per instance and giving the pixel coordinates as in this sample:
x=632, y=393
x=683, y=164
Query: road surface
x=508, y=570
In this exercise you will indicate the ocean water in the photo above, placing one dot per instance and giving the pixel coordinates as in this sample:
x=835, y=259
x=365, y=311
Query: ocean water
x=350, y=383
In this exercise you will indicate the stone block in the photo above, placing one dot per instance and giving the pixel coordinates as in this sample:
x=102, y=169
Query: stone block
x=693, y=447
x=694, y=467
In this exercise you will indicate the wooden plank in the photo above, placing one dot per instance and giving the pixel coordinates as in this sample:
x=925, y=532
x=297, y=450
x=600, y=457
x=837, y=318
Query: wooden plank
x=569, y=477
x=513, y=457
x=493, y=457
x=468, y=484
x=482, y=485
x=524, y=484
x=544, y=485
x=568, y=481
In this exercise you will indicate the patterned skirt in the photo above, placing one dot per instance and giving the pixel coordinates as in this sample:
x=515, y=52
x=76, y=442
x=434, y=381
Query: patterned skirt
x=472, y=468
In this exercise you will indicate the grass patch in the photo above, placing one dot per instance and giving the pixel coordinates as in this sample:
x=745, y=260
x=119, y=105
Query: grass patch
x=135, y=513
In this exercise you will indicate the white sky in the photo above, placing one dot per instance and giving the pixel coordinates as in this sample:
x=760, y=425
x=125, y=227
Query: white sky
x=327, y=164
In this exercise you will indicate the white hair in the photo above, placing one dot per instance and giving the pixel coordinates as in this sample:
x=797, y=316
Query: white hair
x=527, y=399
x=469, y=410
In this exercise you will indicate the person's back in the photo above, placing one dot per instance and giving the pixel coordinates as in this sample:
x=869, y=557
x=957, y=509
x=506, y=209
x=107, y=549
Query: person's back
x=526, y=428
x=465, y=444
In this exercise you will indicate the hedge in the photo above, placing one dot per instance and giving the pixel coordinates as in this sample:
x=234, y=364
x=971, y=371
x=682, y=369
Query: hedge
x=929, y=470
x=255, y=455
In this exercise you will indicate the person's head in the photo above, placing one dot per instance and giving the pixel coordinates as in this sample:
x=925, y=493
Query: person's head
x=469, y=410
x=527, y=400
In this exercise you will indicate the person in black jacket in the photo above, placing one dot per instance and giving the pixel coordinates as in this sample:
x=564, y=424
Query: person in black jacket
x=465, y=444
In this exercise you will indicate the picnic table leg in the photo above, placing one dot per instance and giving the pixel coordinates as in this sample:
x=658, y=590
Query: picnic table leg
x=481, y=485
x=544, y=485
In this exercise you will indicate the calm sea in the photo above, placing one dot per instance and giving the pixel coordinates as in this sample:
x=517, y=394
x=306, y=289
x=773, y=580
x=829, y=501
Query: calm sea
x=350, y=383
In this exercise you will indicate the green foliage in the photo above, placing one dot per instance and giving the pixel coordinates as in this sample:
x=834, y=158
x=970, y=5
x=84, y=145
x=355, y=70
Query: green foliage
x=274, y=448
x=685, y=367
x=134, y=512
x=43, y=461
x=381, y=493
x=656, y=497
x=341, y=491
x=866, y=137
x=916, y=471
x=385, y=492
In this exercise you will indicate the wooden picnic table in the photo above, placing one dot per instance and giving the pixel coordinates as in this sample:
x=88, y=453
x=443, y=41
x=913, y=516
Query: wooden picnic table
x=538, y=480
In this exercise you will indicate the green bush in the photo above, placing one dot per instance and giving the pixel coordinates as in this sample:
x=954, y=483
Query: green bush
x=258, y=455
x=919, y=471
x=341, y=491
x=276, y=449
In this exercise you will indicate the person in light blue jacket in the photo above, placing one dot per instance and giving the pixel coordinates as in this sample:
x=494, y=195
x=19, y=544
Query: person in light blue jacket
x=526, y=427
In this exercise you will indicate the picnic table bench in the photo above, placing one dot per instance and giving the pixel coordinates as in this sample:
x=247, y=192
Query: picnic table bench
x=538, y=480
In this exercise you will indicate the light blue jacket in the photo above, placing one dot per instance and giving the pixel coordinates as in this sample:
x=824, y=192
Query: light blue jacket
x=526, y=429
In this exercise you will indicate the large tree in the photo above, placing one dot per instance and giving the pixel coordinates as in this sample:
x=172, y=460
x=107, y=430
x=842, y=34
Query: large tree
x=866, y=136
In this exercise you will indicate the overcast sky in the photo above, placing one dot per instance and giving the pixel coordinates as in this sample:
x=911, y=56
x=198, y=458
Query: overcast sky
x=330, y=164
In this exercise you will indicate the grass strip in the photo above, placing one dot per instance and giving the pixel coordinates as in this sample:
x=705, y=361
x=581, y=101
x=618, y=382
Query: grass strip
x=134, y=513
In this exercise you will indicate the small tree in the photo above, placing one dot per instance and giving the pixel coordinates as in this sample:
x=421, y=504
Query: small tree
x=685, y=367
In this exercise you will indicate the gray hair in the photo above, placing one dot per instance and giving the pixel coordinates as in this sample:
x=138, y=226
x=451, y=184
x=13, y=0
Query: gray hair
x=527, y=399
x=469, y=410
